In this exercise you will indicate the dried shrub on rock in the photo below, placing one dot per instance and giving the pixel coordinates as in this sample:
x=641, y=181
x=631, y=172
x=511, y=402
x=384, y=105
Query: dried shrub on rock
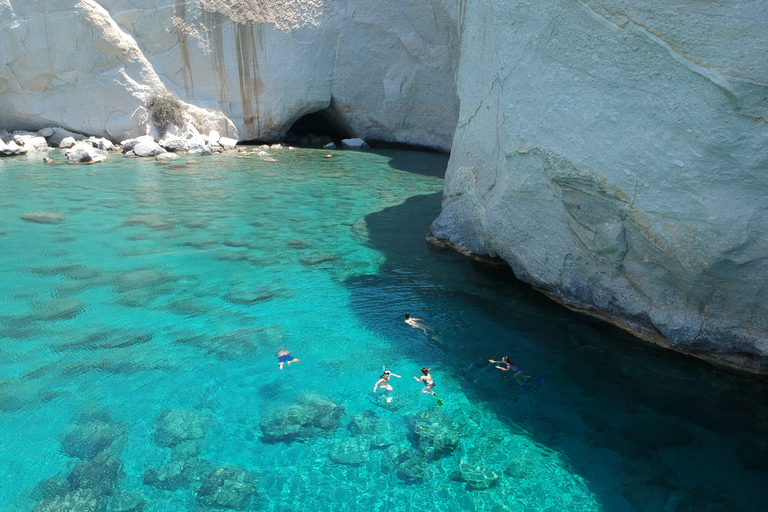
x=165, y=112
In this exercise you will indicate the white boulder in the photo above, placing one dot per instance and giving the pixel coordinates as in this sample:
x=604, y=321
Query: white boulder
x=100, y=143
x=173, y=144
x=195, y=148
x=354, y=143
x=84, y=153
x=148, y=148
x=30, y=141
x=227, y=143
x=11, y=149
x=67, y=142
x=167, y=156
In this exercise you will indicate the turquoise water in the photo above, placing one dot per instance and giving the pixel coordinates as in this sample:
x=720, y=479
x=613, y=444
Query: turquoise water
x=138, y=341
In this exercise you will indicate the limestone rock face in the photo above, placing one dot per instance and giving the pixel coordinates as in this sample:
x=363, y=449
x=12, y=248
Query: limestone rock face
x=69, y=64
x=614, y=153
x=380, y=70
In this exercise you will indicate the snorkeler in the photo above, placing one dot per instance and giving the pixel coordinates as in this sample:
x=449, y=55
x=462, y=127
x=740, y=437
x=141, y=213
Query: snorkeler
x=384, y=384
x=522, y=378
x=429, y=384
x=285, y=357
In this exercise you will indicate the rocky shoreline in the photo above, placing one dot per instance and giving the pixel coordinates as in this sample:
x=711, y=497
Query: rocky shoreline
x=81, y=149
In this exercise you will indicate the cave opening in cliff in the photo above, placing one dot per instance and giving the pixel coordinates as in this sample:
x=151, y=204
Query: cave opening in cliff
x=321, y=126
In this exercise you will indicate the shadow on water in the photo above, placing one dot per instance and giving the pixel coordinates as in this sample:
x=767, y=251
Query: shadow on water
x=416, y=161
x=658, y=429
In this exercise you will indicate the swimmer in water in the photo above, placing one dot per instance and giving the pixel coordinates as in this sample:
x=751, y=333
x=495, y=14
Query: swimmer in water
x=522, y=378
x=414, y=322
x=384, y=384
x=429, y=384
x=285, y=357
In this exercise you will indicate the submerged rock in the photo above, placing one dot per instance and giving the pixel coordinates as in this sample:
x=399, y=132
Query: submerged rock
x=43, y=217
x=477, y=477
x=319, y=258
x=174, y=426
x=434, y=434
x=91, y=435
x=312, y=415
x=178, y=474
x=57, y=309
x=231, y=488
x=101, y=474
x=81, y=500
x=352, y=452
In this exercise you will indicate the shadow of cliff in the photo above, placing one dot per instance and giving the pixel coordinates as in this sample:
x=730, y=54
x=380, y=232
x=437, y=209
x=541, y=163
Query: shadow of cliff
x=605, y=389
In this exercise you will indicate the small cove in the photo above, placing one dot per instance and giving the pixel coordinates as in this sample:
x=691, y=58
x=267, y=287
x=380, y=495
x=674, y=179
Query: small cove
x=145, y=326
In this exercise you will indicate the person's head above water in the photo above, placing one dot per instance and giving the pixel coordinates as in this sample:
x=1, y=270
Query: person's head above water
x=387, y=372
x=505, y=359
x=407, y=316
x=425, y=371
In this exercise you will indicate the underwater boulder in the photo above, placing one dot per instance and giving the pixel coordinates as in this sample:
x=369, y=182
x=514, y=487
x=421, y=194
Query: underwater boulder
x=127, y=502
x=477, y=477
x=318, y=258
x=352, y=451
x=231, y=488
x=87, y=440
x=43, y=217
x=57, y=309
x=378, y=432
x=311, y=415
x=412, y=470
x=82, y=500
x=434, y=434
x=102, y=474
x=178, y=474
x=174, y=426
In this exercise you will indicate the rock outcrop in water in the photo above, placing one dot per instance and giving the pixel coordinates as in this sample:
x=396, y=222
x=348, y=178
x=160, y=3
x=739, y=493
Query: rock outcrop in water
x=613, y=152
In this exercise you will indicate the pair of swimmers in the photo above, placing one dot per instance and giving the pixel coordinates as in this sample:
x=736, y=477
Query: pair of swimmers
x=426, y=378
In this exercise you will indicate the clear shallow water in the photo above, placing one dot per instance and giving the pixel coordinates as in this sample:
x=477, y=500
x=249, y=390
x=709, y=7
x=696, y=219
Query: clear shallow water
x=138, y=340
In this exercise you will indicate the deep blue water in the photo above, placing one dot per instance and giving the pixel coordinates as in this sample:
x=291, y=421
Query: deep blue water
x=138, y=368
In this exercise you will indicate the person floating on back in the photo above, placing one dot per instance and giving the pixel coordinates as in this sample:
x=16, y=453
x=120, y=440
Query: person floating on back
x=285, y=357
x=429, y=385
x=415, y=323
x=384, y=384
x=522, y=378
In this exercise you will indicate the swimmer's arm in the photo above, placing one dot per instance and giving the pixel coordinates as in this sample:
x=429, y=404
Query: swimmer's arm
x=376, y=386
x=417, y=379
x=395, y=375
x=494, y=362
x=502, y=368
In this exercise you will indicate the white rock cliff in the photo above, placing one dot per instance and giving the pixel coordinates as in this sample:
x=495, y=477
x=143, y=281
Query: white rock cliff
x=615, y=154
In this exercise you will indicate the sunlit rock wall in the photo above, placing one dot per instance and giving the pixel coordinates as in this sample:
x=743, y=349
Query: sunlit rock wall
x=385, y=70
x=67, y=63
x=615, y=153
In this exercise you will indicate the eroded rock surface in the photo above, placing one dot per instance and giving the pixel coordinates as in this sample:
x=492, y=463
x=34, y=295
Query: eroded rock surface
x=613, y=152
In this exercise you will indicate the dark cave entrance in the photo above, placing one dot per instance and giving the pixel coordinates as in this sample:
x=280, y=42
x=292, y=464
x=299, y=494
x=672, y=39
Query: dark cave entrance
x=319, y=127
